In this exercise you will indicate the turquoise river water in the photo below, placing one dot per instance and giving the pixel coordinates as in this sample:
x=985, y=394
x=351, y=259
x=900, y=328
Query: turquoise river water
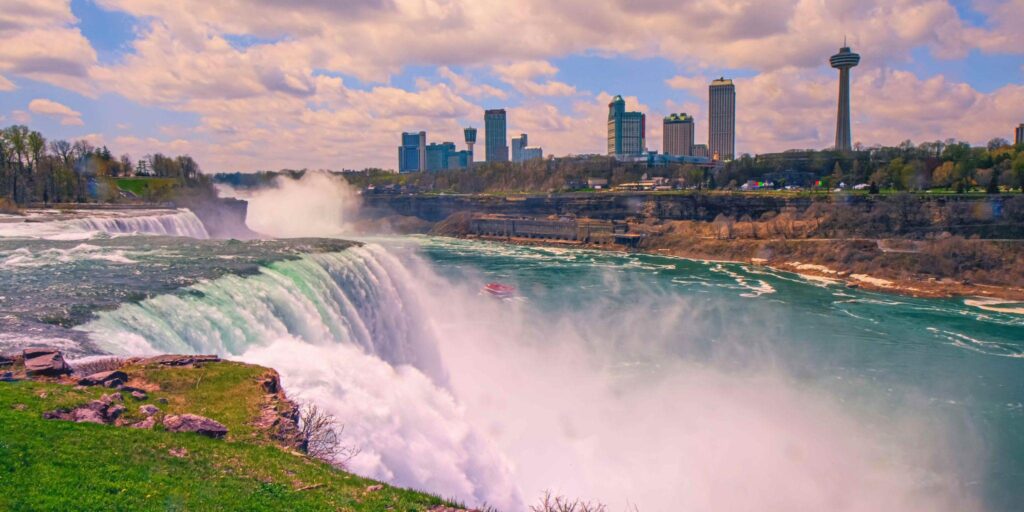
x=636, y=380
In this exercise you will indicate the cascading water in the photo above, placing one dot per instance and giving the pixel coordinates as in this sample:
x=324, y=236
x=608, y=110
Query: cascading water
x=88, y=224
x=492, y=401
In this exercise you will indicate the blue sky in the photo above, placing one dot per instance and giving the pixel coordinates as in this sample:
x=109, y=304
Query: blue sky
x=269, y=86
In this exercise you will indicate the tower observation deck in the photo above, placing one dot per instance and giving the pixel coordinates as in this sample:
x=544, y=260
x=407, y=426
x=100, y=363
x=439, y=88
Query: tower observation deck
x=843, y=61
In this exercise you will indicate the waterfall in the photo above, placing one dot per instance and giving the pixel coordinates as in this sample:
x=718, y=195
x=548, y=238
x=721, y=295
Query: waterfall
x=357, y=297
x=493, y=402
x=348, y=331
x=92, y=223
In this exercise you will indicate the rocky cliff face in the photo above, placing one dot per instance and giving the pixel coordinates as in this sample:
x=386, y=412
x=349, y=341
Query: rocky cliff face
x=850, y=215
x=222, y=217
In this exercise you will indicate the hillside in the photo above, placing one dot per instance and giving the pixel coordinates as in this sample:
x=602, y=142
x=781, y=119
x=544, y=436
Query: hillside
x=50, y=464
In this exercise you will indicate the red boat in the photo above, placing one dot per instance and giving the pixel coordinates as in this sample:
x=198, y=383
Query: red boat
x=502, y=291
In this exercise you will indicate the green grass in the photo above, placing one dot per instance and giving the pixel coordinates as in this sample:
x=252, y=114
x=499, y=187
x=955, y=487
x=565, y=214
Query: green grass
x=60, y=465
x=146, y=187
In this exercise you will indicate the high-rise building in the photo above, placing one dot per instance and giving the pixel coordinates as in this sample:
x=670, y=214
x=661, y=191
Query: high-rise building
x=518, y=144
x=412, y=154
x=1019, y=139
x=532, y=153
x=677, y=135
x=495, y=123
x=626, y=130
x=701, y=150
x=437, y=155
x=470, y=134
x=843, y=61
x=722, y=119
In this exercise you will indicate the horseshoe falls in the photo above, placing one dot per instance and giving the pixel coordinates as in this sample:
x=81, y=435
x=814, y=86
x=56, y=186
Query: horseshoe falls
x=630, y=379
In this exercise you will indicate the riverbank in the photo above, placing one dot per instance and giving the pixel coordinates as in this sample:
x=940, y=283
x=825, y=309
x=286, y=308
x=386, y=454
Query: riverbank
x=814, y=259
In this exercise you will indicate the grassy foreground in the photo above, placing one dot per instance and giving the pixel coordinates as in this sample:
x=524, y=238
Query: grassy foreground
x=66, y=466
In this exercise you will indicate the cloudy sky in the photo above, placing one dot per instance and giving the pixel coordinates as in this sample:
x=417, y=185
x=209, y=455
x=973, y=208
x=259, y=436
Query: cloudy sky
x=265, y=84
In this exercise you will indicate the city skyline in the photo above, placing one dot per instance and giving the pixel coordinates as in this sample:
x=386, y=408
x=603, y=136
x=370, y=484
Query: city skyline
x=313, y=91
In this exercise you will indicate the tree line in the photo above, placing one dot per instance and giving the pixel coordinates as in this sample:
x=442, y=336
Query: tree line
x=948, y=164
x=34, y=170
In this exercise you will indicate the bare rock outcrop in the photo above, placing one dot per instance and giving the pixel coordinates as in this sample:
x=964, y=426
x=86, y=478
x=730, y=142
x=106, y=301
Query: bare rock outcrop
x=104, y=411
x=147, y=423
x=180, y=360
x=45, y=361
x=195, y=423
x=108, y=379
x=279, y=416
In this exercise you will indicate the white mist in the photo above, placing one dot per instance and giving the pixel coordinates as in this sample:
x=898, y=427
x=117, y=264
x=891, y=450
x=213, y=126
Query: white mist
x=488, y=401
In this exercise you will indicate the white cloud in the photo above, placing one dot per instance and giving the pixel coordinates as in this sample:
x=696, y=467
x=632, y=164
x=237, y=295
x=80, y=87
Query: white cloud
x=462, y=85
x=6, y=85
x=520, y=75
x=67, y=116
x=40, y=42
x=266, y=105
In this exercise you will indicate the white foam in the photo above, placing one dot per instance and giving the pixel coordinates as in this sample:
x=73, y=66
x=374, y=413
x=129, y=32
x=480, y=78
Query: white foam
x=23, y=257
x=1016, y=307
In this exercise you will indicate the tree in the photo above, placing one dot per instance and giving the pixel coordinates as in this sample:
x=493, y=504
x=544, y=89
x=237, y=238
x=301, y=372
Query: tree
x=837, y=174
x=1018, y=170
x=942, y=176
x=62, y=149
x=189, y=168
x=693, y=175
x=997, y=143
x=126, y=165
x=993, y=183
x=36, y=146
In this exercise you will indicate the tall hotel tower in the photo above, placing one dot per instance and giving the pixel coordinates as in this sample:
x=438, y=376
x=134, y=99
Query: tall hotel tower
x=722, y=119
x=470, y=134
x=627, y=131
x=495, y=141
x=843, y=61
x=677, y=135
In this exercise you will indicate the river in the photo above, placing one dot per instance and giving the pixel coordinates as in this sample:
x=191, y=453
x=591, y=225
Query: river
x=636, y=380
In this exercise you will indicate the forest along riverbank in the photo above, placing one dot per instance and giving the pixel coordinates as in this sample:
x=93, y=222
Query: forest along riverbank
x=918, y=246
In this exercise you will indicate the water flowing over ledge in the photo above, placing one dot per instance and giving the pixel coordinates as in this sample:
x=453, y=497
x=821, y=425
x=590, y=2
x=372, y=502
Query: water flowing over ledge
x=86, y=224
x=489, y=401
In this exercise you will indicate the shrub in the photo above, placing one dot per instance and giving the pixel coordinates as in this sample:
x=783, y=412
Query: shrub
x=550, y=503
x=322, y=433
